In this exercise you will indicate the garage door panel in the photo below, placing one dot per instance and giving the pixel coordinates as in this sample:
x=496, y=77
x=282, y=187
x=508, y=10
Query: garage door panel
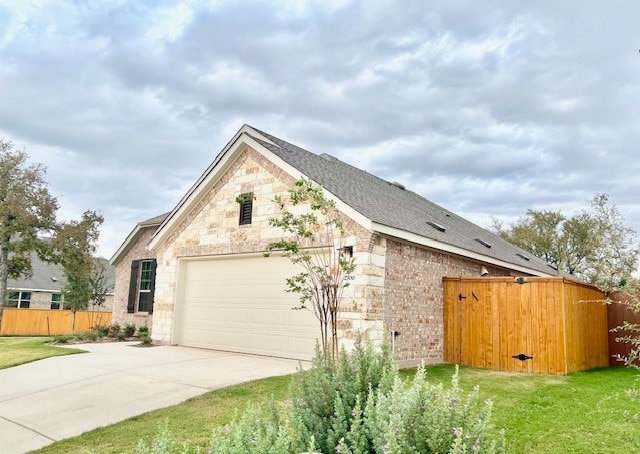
x=268, y=317
x=240, y=304
x=301, y=345
x=304, y=318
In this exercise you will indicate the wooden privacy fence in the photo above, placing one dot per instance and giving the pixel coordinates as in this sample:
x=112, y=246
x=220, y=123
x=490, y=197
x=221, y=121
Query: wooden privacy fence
x=618, y=313
x=548, y=325
x=45, y=322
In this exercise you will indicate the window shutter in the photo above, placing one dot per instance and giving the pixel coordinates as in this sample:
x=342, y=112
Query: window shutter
x=152, y=291
x=133, y=286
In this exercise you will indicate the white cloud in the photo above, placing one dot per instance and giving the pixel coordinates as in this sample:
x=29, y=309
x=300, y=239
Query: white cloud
x=487, y=108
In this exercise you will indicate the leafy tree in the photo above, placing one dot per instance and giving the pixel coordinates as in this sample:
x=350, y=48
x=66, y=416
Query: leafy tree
x=27, y=209
x=315, y=235
x=593, y=244
x=28, y=223
x=73, y=246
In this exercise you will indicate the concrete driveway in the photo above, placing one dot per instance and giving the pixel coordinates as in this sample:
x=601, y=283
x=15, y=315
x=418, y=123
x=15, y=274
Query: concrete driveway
x=56, y=398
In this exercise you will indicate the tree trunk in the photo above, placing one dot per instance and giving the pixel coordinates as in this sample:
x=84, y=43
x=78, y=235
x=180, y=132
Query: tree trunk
x=4, y=275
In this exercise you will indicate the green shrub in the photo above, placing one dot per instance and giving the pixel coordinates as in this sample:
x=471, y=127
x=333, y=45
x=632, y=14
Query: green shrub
x=143, y=330
x=90, y=336
x=336, y=386
x=114, y=330
x=62, y=338
x=129, y=329
x=145, y=339
x=121, y=335
x=101, y=330
x=358, y=405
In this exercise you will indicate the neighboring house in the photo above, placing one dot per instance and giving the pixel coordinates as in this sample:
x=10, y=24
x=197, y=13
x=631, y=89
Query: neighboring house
x=43, y=289
x=202, y=270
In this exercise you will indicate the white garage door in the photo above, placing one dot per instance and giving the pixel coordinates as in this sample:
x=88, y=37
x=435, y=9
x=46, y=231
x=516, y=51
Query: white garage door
x=240, y=304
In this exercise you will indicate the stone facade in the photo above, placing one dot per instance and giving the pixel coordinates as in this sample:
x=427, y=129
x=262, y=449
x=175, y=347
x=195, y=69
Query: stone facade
x=211, y=229
x=414, y=298
x=137, y=251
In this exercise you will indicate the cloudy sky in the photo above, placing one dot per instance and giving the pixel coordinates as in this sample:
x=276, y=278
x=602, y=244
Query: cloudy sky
x=487, y=108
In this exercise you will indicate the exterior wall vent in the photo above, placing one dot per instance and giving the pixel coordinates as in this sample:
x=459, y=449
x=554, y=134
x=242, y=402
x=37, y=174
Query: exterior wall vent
x=436, y=226
x=484, y=243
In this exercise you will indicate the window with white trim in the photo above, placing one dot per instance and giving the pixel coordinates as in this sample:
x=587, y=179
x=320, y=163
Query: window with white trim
x=56, y=299
x=19, y=299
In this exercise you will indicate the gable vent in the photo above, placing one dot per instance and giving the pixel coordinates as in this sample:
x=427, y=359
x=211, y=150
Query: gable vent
x=522, y=256
x=398, y=185
x=436, y=226
x=484, y=243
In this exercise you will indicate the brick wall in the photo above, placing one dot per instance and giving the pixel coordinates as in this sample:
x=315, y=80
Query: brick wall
x=42, y=300
x=413, y=302
x=137, y=251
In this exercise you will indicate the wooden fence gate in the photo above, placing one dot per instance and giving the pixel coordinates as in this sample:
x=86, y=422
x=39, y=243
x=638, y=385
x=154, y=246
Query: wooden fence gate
x=549, y=325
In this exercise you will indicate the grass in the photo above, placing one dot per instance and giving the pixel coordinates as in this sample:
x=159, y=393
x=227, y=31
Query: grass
x=587, y=412
x=20, y=350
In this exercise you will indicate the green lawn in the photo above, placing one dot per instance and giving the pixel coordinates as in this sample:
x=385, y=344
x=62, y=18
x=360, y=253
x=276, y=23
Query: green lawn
x=20, y=350
x=586, y=412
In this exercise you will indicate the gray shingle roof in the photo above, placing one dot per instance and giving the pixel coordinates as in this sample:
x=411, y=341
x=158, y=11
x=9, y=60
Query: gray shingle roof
x=389, y=205
x=50, y=276
x=156, y=220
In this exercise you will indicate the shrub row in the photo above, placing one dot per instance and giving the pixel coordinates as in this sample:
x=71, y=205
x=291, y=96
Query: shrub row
x=101, y=331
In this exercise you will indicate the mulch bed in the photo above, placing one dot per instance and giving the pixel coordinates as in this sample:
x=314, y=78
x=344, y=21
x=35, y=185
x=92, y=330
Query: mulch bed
x=102, y=340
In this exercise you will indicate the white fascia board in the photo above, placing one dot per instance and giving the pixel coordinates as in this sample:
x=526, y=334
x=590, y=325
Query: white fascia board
x=226, y=157
x=433, y=244
x=32, y=290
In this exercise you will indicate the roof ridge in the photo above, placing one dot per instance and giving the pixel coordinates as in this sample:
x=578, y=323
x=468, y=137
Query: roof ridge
x=333, y=160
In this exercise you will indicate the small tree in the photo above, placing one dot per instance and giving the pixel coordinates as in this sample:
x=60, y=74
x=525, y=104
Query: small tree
x=99, y=285
x=27, y=209
x=315, y=236
x=73, y=246
x=99, y=290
